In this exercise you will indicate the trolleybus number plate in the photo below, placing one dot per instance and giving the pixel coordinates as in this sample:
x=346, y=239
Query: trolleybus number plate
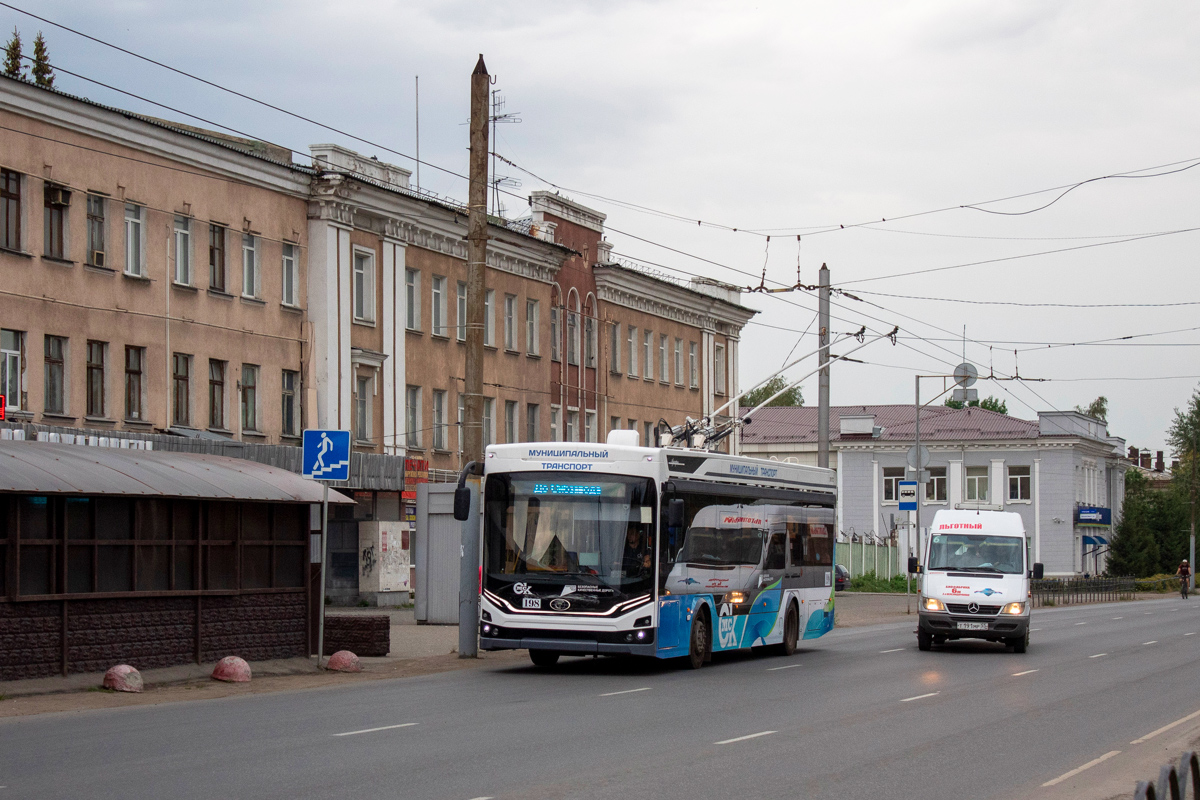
x=536, y=602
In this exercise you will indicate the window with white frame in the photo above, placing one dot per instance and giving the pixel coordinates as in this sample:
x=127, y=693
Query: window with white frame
x=693, y=367
x=363, y=390
x=589, y=342
x=555, y=343
x=1018, y=483
x=510, y=322
x=510, y=421
x=891, y=483
x=183, y=251
x=614, y=346
x=572, y=432
x=461, y=311
x=10, y=367
x=632, y=346
x=291, y=276
x=935, y=487
x=437, y=305
x=133, y=241
x=977, y=484
x=531, y=328
x=412, y=299
x=533, y=432
x=573, y=337
x=664, y=366
x=489, y=421
x=647, y=354
x=718, y=369
x=364, y=286
x=554, y=411
x=678, y=361
x=95, y=231
x=251, y=279
x=489, y=318
x=412, y=416
x=439, y=419
x=589, y=426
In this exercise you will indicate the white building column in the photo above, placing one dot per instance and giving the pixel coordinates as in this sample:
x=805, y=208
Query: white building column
x=706, y=360
x=954, y=481
x=735, y=439
x=326, y=314
x=996, y=482
x=345, y=416
x=394, y=314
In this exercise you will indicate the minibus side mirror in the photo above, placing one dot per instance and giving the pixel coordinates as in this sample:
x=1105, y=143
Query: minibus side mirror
x=913, y=566
x=462, y=503
x=1038, y=571
x=675, y=513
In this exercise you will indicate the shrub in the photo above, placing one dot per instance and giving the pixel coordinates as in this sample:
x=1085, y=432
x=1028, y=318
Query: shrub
x=870, y=582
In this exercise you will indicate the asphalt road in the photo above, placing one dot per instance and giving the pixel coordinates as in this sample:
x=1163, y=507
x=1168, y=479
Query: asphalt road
x=860, y=713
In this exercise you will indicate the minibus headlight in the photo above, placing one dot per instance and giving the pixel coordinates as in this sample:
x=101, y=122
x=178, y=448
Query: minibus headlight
x=1014, y=608
x=932, y=604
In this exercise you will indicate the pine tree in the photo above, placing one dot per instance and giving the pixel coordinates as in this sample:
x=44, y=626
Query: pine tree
x=1134, y=549
x=43, y=73
x=13, y=66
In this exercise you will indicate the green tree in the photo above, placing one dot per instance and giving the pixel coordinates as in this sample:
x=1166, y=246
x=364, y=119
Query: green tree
x=1134, y=549
x=1097, y=409
x=13, y=66
x=1184, y=438
x=792, y=397
x=43, y=73
x=989, y=403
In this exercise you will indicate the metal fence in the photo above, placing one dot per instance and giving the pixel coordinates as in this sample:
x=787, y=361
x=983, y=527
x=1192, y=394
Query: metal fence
x=1069, y=591
x=1175, y=781
x=862, y=557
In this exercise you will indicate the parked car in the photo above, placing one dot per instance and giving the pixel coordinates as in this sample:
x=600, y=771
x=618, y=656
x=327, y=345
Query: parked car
x=842, y=577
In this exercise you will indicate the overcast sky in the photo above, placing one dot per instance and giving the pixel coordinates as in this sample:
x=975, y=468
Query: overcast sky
x=784, y=118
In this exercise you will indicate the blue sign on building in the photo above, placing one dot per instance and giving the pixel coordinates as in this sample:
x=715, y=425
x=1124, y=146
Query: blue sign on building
x=326, y=455
x=1093, y=516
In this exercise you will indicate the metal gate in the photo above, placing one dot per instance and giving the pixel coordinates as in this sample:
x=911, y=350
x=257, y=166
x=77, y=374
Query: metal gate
x=437, y=546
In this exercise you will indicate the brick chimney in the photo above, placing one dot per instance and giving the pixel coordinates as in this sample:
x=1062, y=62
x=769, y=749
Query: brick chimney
x=1158, y=462
x=1144, y=461
x=1133, y=454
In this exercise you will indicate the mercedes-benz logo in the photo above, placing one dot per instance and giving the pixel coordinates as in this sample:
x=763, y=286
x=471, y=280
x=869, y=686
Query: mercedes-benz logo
x=558, y=604
x=971, y=607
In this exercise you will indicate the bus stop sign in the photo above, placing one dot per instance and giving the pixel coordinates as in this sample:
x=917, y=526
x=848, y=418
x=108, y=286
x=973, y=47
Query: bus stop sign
x=908, y=495
x=326, y=455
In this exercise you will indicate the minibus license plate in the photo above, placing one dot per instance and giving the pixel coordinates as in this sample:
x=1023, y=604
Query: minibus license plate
x=972, y=626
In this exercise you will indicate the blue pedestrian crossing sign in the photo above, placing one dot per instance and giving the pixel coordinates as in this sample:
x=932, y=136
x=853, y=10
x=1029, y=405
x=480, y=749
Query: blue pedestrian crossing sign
x=326, y=455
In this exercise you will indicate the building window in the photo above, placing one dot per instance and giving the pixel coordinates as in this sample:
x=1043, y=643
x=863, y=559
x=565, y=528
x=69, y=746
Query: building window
x=437, y=288
x=531, y=328
x=589, y=342
x=462, y=311
x=183, y=251
x=891, y=480
x=133, y=240
x=439, y=419
x=664, y=366
x=216, y=257
x=489, y=421
x=614, y=345
x=291, y=382
x=95, y=379
x=572, y=434
x=55, y=350
x=362, y=408
x=412, y=299
x=11, y=367
x=216, y=394
x=678, y=361
x=364, y=286
x=614, y=423
x=251, y=282
x=589, y=426
x=632, y=342
x=647, y=435
x=462, y=414
x=489, y=318
x=935, y=487
x=249, y=397
x=95, y=230
x=10, y=209
x=573, y=338
x=412, y=416
x=977, y=484
x=57, y=202
x=290, y=276
x=181, y=373
x=510, y=322
x=510, y=421
x=647, y=355
x=718, y=369
x=554, y=410
x=555, y=344
x=693, y=372
x=1018, y=483
x=532, y=432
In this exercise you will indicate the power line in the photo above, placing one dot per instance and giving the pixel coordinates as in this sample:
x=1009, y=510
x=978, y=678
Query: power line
x=1028, y=305
x=877, y=229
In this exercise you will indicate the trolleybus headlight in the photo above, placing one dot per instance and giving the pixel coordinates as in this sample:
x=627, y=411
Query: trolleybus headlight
x=1014, y=608
x=735, y=597
x=641, y=635
x=487, y=629
x=933, y=604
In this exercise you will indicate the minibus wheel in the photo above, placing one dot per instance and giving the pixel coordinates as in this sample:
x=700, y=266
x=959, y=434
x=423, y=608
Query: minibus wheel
x=700, y=643
x=1020, y=644
x=924, y=640
x=543, y=658
x=791, y=631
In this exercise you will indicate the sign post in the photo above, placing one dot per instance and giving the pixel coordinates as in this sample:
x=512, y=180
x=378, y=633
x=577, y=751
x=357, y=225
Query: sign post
x=326, y=457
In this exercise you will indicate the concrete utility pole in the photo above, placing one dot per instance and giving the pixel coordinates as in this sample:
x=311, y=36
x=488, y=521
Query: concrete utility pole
x=823, y=380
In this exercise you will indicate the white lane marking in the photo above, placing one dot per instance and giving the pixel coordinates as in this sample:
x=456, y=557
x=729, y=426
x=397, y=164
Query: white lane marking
x=919, y=697
x=1098, y=655
x=1165, y=728
x=487, y=797
x=1078, y=770
x=1147, y=613
x=896, y=650
x=1118, y=618
x=788, y=666
x=1026, y=672
x=1146, y=643
x=373, y=730
x=1081, y=623
x=627, y=691
x=1189, y=634
x=1032, y=630
x=744, y=738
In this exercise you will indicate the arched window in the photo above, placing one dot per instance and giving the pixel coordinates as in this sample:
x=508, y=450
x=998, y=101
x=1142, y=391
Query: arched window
x=573, y=328
x=555, y=332
x=590, y=344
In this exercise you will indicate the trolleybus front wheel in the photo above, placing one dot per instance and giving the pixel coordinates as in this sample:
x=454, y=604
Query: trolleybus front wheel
x=543, y=658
